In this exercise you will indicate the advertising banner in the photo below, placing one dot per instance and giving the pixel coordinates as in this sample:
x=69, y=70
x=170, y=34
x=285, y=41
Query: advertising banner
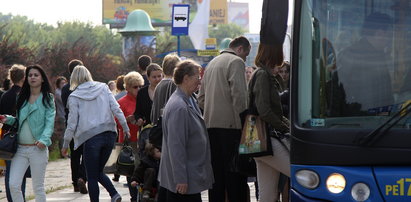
x=218, y=12
x=115, y=12
x=238, y=14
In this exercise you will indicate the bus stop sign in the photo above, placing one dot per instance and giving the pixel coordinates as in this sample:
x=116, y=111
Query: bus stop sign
x=180, y=19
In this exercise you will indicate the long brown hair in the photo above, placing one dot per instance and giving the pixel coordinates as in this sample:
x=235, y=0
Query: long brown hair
x=269, y=55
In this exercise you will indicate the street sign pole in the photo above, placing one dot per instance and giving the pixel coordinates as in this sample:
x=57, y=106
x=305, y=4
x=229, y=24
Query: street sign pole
x=180, y=22
x=178, y=46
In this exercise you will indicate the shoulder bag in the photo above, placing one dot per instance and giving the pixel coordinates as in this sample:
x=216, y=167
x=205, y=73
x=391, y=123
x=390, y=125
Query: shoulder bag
x=125, y=160
x=255, y=141
x=8, y=143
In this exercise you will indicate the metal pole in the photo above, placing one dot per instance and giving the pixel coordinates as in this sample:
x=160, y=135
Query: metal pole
x=178, y=45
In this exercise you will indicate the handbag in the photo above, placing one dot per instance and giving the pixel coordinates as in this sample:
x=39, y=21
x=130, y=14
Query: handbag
x=125, y=160
x=255, y=141
x=110, y=167
x=8, y=143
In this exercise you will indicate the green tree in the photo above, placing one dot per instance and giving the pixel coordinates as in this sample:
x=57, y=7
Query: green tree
x=222, y=31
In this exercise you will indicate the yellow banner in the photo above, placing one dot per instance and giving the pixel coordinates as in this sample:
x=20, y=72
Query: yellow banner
x=208, y=52
x=218, y=12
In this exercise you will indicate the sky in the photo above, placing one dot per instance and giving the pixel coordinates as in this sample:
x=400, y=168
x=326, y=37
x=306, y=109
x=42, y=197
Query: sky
x=89, y=11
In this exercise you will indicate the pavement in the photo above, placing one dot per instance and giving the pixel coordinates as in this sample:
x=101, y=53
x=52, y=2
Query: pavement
x=59, y=188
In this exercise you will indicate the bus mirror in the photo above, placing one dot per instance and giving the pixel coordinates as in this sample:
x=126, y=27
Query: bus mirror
x=274, y=22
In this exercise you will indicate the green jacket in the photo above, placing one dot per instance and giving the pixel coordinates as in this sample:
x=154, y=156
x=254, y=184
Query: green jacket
x=40, y=119
x=267, y=99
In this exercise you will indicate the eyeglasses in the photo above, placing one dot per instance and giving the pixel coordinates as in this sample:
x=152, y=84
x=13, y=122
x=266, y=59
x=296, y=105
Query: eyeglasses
x=137, y=87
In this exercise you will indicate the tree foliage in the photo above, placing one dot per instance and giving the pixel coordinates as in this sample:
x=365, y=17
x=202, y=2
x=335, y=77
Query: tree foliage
x=25, y=42
x=222, y=31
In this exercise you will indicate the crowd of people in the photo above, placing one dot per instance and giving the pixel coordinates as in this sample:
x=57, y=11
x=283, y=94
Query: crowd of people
x=199, y=115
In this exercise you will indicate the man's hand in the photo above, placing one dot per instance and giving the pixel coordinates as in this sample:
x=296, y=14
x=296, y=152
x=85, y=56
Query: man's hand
x=181, y=188
x=133, y=183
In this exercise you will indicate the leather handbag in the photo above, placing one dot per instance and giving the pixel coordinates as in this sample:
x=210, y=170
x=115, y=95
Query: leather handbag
x=8, y=143
x=125, y=160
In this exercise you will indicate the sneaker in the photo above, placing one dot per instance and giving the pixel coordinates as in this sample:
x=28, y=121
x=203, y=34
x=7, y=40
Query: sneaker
x=82, y=186
x=116, y=198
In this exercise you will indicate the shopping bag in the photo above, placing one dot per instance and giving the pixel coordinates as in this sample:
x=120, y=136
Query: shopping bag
x=255, y=141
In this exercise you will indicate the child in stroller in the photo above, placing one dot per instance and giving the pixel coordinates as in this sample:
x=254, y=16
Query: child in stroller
x=147, y=171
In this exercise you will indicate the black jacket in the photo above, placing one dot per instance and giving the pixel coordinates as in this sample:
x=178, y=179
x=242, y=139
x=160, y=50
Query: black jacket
x=8, y=102
x=65, y=93
x=143, y=105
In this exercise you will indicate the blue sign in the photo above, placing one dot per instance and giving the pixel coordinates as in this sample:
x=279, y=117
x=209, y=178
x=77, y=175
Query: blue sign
x=180, y=19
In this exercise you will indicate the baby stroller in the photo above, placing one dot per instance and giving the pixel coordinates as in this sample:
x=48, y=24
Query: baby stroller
x=148, y=168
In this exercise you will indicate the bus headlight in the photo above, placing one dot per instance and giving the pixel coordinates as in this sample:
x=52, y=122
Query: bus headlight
x=335, y=183
x=307, y=178
x=360, y=192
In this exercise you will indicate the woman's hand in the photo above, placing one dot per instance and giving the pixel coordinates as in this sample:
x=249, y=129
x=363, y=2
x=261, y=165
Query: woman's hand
x=140, y=122
x=181, y=188
x=40, y=145
x=127, y=134
x=3, y=119
x=130, y=119
x=64, y=152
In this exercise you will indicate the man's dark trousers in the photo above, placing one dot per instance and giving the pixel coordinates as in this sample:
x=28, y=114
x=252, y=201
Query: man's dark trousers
x=224, y=147
x=77, y=164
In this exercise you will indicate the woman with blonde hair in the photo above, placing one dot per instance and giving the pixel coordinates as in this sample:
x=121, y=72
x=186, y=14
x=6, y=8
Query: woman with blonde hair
x=91, y=123
x=133, y=81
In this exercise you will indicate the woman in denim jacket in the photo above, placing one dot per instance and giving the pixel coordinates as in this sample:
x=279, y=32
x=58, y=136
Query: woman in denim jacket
x=35, y=116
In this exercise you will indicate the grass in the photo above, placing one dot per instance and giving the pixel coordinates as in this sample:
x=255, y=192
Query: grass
x=52, y=189
x=54, y=152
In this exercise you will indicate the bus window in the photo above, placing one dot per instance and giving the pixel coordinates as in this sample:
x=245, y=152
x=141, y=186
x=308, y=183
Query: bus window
x=353, y=68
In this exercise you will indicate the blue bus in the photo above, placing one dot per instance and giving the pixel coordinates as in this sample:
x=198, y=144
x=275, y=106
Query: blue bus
x=350, y=93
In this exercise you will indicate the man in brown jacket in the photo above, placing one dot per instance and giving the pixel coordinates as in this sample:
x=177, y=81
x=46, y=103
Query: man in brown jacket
x=223, y=96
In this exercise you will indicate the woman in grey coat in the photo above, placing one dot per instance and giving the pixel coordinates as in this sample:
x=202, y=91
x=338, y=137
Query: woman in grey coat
x=185, y=166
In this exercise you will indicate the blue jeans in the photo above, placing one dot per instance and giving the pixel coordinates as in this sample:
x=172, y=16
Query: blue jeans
x=96, y=152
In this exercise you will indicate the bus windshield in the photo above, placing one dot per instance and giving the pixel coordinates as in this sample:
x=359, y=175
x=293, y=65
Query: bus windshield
x=354, y=64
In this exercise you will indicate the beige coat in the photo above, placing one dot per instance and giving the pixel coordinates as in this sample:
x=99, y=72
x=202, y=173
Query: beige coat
x=223, y=92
